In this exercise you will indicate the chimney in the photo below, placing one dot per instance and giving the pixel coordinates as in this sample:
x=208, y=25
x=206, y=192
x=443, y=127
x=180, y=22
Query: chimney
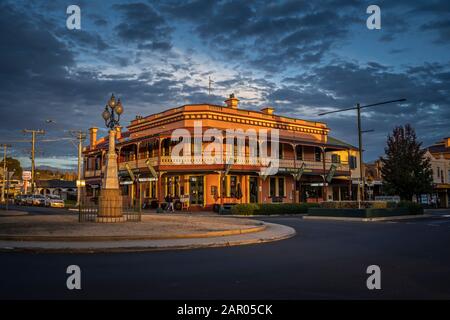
x=118, y=132
x=93, y=137
x=267, y=110
x=232, y=101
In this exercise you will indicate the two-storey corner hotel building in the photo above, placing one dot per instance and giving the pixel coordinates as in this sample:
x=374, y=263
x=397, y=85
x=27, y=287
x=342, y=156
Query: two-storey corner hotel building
x=313, y=166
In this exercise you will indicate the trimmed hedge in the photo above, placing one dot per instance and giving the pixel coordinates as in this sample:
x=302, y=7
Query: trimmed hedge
x=401, y=209
x=355, y=205
x=413, y=207
x=381, y=209
x=272, y=208
x=245, y=209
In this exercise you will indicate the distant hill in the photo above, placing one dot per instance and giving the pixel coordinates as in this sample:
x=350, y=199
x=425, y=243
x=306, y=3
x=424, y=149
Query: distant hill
x=50, y=173
x=50, y=168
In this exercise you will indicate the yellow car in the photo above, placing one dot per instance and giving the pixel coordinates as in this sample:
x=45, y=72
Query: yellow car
x=54, y=202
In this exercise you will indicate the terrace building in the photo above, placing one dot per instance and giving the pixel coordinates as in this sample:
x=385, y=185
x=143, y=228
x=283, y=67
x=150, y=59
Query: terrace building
x=313, y=166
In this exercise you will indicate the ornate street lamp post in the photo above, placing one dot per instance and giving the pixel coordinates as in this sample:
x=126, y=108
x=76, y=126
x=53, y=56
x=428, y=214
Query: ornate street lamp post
x=110, y=199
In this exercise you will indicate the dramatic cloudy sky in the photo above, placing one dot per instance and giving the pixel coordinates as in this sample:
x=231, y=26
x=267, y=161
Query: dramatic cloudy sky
x=302, y=57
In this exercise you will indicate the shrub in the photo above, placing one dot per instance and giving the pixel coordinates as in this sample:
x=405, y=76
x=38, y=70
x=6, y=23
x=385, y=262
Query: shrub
x=391, y=204
x=413, y=207
x=245, y=209
x=272, y=208
x=379, y=205
x=354, y=204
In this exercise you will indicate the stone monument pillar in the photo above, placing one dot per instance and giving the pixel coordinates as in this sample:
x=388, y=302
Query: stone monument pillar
x=110, y=199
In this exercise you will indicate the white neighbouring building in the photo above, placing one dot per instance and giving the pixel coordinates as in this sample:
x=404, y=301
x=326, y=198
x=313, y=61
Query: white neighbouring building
x=439, y=155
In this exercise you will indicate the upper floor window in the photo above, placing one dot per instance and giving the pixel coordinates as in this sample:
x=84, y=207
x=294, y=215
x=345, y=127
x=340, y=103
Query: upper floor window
x=352, y=162
x=317, y=154
x=98, y=163
x=299, y=152
x=335, y=158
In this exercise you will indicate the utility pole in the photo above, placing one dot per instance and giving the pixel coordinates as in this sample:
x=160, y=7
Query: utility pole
x=81, y=136
x=360, y=147
x=5, y=146
x=33, y=142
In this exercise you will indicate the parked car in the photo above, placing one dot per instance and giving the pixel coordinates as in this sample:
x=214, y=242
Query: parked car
x=54, y=202
x=20, y=199
x=38, y=200
x=28, y=200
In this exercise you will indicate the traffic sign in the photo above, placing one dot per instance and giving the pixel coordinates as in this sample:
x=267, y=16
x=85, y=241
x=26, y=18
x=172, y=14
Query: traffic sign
x=26, y=175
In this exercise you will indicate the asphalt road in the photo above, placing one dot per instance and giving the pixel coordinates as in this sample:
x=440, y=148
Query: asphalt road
x=325, y=260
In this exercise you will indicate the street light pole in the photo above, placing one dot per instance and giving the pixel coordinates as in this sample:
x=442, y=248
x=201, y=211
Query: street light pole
x=110, y=199
x=358, y=108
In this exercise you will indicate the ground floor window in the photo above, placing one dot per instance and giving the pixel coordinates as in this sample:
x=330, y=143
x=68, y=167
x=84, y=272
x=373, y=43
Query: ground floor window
x=277, y=187
x=196, y=190
x=150, y=190
x=272, y=189
x=125, y=189
x=281, y=187
x=233, y=186
x=312, y=193
x=173, y=186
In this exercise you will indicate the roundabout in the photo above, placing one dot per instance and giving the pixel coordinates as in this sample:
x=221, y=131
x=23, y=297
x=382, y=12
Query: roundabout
x=63, y=233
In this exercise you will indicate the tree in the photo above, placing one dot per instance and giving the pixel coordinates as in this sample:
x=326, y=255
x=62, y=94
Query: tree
x=406, y=171
x=13, y=165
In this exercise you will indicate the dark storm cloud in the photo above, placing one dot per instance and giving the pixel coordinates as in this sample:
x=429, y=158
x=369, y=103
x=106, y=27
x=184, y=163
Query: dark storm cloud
x=269, y=36
x=142, y=24
x=343, y=84
x=40, y=80
x=442, y=27
x=86, y=39
x=99, y=21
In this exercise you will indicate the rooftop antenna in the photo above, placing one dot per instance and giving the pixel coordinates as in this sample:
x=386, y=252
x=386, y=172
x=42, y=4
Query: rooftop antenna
x=210, y=82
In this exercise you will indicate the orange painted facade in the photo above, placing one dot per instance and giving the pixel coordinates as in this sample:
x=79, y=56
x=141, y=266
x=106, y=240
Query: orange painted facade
x=147, y=143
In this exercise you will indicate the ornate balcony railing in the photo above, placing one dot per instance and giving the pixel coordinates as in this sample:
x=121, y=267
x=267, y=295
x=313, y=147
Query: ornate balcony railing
x=140, y=163
x=238, y=160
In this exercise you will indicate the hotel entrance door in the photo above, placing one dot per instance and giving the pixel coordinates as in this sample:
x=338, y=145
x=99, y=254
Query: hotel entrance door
x=253, y=187
x=196, y=190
